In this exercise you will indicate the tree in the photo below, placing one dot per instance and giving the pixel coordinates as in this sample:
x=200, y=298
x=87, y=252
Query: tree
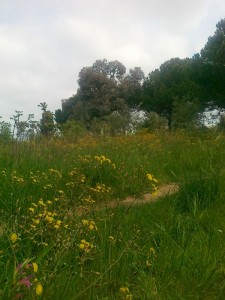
x=185, y=113
x=153, y=122
x=98, y=93
x=131, y=87
x=173, y=79
x=47, y=126
x=213, y=64
x=113, y=69
x=5, y=132
x=72, y=130
x=16, y=125
x=214, y=50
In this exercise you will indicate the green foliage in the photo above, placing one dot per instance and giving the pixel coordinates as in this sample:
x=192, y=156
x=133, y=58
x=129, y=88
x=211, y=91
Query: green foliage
x=173, y=79
x=5, y=132
x=72, y=130
x=198, y=192
x=23, y=130
x=166, y=249
x=153, y=122
x=104, y=88
x=118, y=124
x=213, y=52
x=213, y=66
x=113, y=124
x=98, y=94
x=185, y=113
x=47, y=126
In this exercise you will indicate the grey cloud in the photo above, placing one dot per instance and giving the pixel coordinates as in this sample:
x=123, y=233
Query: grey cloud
x=45, y=43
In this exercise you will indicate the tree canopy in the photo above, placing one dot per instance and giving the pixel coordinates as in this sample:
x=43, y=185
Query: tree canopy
x=106, y=87
x=103, y=88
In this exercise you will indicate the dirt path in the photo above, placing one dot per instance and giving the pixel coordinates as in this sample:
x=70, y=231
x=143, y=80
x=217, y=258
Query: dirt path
x=166, y=189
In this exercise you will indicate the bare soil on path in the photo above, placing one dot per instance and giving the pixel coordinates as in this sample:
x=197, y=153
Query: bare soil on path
x=164, y=190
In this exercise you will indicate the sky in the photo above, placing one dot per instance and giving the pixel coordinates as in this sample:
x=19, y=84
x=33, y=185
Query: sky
x=45, y=43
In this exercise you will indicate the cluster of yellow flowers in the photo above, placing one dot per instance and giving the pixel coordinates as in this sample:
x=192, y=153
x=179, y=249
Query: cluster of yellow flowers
x=150, y=257
x=42, y=211
x=3, y=173
x=77, y=178
x=125, y=293
x=85, y=246
x=17, y=179
x=104, y=160
x=101, y=188
x=34, y=179
x=153, y=183
x=88, y=200
x=55, y=173
x=90, y=224
x=86, y=158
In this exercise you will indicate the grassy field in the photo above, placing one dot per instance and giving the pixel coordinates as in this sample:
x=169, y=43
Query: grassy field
x=55, y=242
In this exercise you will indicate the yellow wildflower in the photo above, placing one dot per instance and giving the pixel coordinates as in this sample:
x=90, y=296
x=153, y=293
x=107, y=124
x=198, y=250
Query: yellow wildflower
x=148, y=264
x=36, y=221
x=126, y=293
x=91, y=227
x=49, y=219
x=39, y=289
x=86, y=246
x=149, y=176
x=13, y=237
x=58, y=222
x=35, y=267
x=152, y=251
x=103, y=158
x=111, y=238
x=31, y=209
x=124, y=290
x=40, y=202
x=85, y=222
x=81, y=246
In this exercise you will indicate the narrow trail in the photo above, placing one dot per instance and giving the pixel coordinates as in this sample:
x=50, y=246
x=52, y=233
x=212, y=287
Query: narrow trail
x=164, y=190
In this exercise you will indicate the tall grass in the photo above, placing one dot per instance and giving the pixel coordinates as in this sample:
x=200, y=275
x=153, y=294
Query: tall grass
x=50, y=217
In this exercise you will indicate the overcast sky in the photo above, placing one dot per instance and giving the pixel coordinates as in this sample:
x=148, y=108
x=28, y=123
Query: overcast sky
x=45, y=43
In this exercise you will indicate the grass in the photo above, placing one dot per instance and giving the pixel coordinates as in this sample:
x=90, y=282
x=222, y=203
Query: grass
x=170, y=249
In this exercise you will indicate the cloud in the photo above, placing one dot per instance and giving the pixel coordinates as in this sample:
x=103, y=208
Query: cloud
x=45, y=43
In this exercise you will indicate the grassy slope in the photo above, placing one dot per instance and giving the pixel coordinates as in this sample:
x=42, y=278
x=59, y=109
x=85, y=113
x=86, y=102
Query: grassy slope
x=172, y=249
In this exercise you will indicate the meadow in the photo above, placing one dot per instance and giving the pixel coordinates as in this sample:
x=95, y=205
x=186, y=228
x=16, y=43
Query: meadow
x=59, y=240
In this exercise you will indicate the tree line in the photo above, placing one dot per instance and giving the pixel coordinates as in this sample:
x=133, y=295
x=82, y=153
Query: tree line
x=179, y=90
x=109, y=98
